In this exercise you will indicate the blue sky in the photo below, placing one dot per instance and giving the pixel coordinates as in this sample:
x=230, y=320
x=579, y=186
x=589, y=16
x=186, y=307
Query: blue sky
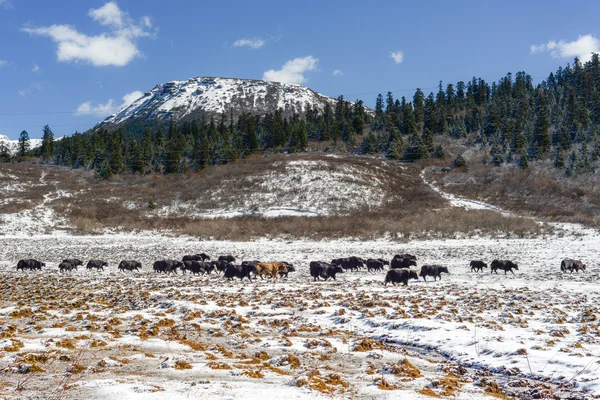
x=71, y=64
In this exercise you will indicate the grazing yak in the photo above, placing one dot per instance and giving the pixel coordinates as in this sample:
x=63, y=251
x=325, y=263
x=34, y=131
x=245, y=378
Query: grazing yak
x=30, y=264
x=220, y=265
x=433, y=270
x=571, y=265
x=229, y=258
x=319, y=269
x=65, y=266
x=350, y=263
x=197, y=267
x=73, y=261
x=269, y=269
x=400, y=275
x=286, y=268
x=239, y=271
x=504, y=265
x=478, y=266
x=377, y=265
x=403, y=262
x=167, y=266
x=96, y=264
x=130, y=265
x=406, y=255
x=196, y=257
x=250, y=263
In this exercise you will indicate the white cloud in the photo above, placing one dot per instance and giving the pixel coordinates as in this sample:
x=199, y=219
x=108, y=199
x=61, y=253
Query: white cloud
x=3, y=63
x=251, y=43
x=292, y=71
x=6, y=4
x=397, y=56
x=110, y=107
x=36, y=68
x=115, y=48
x=131, y=97
x=338, y=72
x=108, y=14
x=581, y=48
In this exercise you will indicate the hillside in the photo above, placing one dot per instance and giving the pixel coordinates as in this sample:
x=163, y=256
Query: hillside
x=205, y=97
x=304, y=195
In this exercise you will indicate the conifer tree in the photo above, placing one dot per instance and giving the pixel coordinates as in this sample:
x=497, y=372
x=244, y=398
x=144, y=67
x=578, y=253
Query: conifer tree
x=24, y=144
x=523, y=160
x=47, y=148
x=559, y=159
x=4, y=153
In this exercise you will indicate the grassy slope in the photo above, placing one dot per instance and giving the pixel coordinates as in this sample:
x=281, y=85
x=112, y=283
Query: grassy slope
x=409, y=207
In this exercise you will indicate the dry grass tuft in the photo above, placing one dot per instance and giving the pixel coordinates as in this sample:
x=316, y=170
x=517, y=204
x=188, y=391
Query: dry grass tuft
x=182, y=364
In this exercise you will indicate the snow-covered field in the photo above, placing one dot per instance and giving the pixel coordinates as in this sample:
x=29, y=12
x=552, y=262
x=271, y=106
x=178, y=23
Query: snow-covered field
x=95, y=335
x=128, y=331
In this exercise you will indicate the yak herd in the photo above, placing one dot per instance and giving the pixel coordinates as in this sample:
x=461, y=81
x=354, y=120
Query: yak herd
x=399, y=271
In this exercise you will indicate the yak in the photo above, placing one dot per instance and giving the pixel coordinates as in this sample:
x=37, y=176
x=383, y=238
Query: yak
x=478, y=266
x=433, y=270
x=400, y=275
x=319, y=269
x=504, y=265
x=571, y=265
x=96, y=264
x=130, y=265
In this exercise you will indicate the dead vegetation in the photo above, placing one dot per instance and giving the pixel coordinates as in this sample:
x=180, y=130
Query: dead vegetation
x=540, y=190
x=409, y=207
x=210, y=334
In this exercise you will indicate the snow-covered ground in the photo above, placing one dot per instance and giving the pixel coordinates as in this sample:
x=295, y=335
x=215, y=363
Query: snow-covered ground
x=536, y=334
x=300, y=188
x=456, y=201
x=538, y=324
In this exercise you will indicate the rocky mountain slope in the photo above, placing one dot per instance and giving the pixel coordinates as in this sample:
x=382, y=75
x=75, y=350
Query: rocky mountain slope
x=210, y=96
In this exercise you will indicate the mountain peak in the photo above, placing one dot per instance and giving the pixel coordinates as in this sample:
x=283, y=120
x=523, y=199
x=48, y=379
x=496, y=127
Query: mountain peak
x=213, y=96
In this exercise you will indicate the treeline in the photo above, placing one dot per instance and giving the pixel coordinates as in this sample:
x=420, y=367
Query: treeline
x=199, y=143
x=513, y=120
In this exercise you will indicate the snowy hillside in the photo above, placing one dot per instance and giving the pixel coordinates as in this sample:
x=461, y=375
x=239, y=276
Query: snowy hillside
x=12, y=144
x=199, y=96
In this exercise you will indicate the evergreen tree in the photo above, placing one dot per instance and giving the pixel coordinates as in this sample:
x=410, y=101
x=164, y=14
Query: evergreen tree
x=4, y=153
x=559, y=159
x=428, y=142
x=379, y=107
x=134, y=157
x=523, y=160
x=298, y=139
x=174, y=149
x=24, y=144
x=369, y=145
x=47, y=148
x=497, y=157
x=460, y=161
x=584, y=164
x=541, y=138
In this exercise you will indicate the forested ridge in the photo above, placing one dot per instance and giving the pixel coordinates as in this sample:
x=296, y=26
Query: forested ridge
x=512, y=119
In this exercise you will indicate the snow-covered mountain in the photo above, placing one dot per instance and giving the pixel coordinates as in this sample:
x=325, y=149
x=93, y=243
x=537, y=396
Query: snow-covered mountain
x=210, y=96
x=12, y=144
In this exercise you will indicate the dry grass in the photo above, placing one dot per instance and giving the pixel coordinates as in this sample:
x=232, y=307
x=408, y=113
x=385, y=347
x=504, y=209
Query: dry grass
x=540, y=190
x=411, y=208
